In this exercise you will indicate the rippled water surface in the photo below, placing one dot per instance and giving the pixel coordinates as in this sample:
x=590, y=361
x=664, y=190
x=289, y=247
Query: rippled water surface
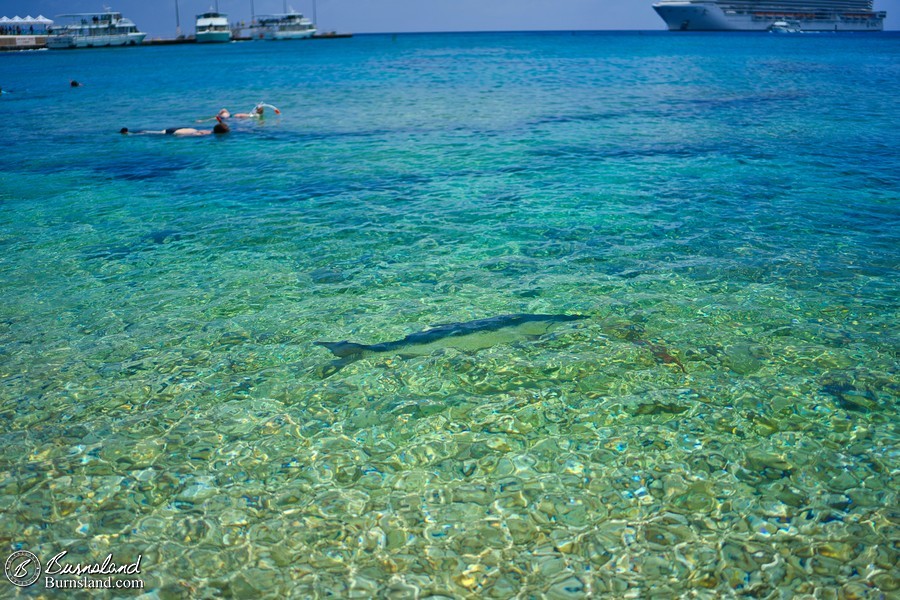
x=723, y=209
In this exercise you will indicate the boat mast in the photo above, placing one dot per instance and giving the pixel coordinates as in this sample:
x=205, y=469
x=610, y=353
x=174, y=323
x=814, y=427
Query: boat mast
x=177, y=21
x=315, y=20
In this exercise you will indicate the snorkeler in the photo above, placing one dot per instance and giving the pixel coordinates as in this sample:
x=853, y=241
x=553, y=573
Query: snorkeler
x=258, y=112
x=222, y=114
x=74, y=83
x=219, y=128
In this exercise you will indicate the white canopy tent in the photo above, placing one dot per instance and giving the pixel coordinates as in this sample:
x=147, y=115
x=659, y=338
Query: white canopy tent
x=29, y=20
x=27, y=24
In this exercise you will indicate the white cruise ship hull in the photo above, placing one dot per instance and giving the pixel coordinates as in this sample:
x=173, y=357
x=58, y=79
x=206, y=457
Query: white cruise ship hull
x=709, y=16
x=64, y=41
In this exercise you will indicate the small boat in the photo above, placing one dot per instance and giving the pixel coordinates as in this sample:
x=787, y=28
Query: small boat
x=287, y=26
x=213, y=27
x=95, y=30
x=785, y=27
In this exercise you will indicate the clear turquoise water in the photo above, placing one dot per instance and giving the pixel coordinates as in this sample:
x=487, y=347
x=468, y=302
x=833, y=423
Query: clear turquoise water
x=728, y=203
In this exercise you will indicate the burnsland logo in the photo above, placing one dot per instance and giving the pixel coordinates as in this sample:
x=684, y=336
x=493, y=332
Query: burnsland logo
x=107, y=567
x=22, y=568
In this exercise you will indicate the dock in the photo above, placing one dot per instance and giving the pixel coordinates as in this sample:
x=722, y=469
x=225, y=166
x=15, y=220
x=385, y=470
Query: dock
x=23, y=42
x=168, y=41
x=331, y=35
x=37, y=42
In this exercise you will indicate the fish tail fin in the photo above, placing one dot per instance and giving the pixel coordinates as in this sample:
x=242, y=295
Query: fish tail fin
x=326, y=371
x=342, y=349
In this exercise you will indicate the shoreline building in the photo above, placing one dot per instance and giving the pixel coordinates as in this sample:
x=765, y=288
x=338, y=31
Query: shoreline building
x=28, y=33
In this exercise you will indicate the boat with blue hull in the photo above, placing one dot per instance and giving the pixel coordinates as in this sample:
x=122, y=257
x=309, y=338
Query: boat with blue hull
x=212, y=27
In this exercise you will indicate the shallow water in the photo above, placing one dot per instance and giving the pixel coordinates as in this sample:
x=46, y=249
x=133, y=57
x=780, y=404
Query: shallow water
x=724, y=208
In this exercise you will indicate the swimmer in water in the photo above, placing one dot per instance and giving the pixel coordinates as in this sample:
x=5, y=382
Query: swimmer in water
x=220, y=128
x=222, y=114
x=258, y=112
x=74, y=83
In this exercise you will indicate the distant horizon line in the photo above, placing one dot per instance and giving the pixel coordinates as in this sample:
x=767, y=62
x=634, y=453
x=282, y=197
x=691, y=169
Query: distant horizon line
x=489, y=31
x=662, y=30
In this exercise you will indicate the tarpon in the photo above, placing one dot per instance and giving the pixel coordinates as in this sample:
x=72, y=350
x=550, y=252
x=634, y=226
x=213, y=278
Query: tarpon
x=468, y=336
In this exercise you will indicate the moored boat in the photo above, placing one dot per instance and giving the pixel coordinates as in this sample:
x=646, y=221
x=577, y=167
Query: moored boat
x=95, y=30
x=785, y=27
x=213, y=27
x=287, y=26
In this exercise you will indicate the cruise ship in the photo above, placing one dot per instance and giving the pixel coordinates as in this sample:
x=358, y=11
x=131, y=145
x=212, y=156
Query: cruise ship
x=761, y=15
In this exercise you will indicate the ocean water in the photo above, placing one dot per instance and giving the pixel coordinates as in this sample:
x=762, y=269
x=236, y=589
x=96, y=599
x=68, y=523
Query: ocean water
x=724, y=210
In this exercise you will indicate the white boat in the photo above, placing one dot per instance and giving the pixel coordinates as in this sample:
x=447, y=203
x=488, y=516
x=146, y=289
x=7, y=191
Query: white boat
x=95, y=30
x=213, y=27
x=785, y=27
x=760, y=15
x=287, y=26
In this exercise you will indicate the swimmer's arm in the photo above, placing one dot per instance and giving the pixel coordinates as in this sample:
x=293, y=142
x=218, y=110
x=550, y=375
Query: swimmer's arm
x=144, y=132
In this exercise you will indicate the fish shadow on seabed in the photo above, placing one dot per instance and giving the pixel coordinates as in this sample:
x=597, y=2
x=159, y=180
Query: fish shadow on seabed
x=469, y=336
